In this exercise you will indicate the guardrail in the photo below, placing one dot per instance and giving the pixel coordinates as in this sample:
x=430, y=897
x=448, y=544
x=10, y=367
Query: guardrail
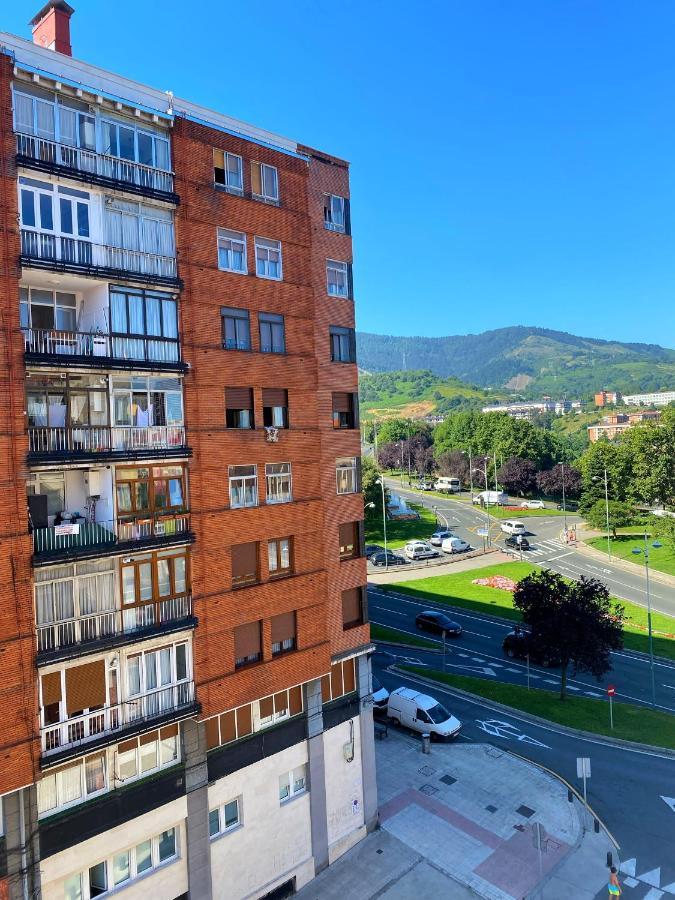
x=104, y=438
x=83, y=536
x=49, y=342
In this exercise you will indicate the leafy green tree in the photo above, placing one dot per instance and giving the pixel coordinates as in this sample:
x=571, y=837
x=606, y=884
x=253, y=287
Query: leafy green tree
x=620, y=515
x=650, y=449
x=392, y=430
x=372, y=491
x=663, y=528
x=600, y=456
x=575, y=623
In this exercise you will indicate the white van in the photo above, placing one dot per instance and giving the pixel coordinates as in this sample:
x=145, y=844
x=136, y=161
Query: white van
x=422, y=713
x=511, y=526
x=493, y=498
x=420, y=550
x=448, y=485
x=454, y=545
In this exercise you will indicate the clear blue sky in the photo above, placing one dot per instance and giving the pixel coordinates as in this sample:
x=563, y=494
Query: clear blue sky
x=512, y=163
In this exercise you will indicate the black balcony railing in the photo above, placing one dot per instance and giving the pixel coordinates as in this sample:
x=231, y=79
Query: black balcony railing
x=91, y=441
x=95, y=346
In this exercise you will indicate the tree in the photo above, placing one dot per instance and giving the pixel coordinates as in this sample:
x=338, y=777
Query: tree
x=600, y=456
x=518, y=476
x=620, y=514
x=575, y=622
x=648, y=447
x=372, y=491
x=550, y=482
x=389, y=456
x=455, y=464
x=663, y=527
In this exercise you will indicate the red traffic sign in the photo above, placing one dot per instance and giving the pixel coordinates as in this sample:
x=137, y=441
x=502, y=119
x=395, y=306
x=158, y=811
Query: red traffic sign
x=611, y=690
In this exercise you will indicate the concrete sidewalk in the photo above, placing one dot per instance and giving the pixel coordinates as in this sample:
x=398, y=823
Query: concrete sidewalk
x=459, y=822
x=458, y=564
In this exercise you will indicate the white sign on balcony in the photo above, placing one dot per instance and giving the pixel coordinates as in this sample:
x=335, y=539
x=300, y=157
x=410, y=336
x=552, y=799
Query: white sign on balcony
x=69, y=528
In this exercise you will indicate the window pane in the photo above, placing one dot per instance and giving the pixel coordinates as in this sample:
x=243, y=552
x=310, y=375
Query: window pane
x=28, y=208
x=72, y=887
x=46, y=217
x=121, y=868
x=179, y=574
x=272, y=555
x=163, y=578
x=149, y=756
x=231, y=811
x=143, y=856
x=214, y=822
x=181, y=662
x=98, y=883
x=145, y=149
x=167, y=844
x=168, y=750
x=284, y=787
x=127, y=149
x=126, y=764
x=94, y=771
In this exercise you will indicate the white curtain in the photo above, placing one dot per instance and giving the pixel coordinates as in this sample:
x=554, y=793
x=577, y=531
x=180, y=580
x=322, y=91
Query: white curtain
x=54, y=602
x=45, y=119
x=67, y=126
x=23, y=114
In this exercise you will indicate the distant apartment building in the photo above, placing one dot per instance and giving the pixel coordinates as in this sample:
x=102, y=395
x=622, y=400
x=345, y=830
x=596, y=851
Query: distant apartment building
x=528, y=410
x=612, y=426
x=607, y=398
x=186, y=678
x=656, y=398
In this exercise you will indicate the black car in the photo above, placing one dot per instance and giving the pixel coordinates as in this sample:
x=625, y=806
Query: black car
x=517, y=541
x=437, y=623
x=518, y=644
x=388, y=558
x=373, y=548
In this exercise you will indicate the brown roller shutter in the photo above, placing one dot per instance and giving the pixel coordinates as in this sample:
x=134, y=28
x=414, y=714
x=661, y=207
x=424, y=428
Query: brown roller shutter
x=342, y=402
x=244, y=722
x=238, y=398
x=212, y=735
x=325, y=688
x=283, y=627
x=348, y=674
x=247, y=640
x=281, y=702
x=351, y=606
x=85, y=687
x=348, y=539
x=274, y=397
x=266, y=707
x=148, y=738
x=295, y=698
x=168, y=731
x=244, y=560
x=256, y=179
x=336, y=681
x=51, y=688
x=228, y=727
x=126, y=746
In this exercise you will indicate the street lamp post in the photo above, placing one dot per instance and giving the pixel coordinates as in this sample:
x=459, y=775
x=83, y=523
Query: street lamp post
x=609, y=545
x=645, y=551
x=484, y=472
x=562, y=469
x=380, y=481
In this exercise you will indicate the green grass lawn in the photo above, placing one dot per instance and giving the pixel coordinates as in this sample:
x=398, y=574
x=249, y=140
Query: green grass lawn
x=394, y=636
x=457, y=590
x=398, y=533
x=631, y=723
x=662, y=558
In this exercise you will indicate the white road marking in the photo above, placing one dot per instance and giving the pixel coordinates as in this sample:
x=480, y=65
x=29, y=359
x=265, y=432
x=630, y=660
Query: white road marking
x=670, y=801
x=592, y=694
x=497, y=728
x=628, y=866
x=510, y=669
x=477, y=659
x=550, y=681
x=653, y=877
x=481, y=670
x=653, y=894
x=630, y=882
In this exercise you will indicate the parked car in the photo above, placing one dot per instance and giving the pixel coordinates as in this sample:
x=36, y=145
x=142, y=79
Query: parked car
x=454, y=545
x=380, y=698
x=517, y=541
x=420, y=550
x=533, y=504
x=518, y=644
x=513, y=526
x=388, y=558
x=373, y=548
x=438, y=537
x=492, y=498
x=422, y=713
x=437, y=623
x=424, y=485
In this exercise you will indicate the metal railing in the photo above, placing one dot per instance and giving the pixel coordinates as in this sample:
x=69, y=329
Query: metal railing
x=70, y=251
x=104, y=438
x=86, y=629
x=83, y=536
x=91, y=163
x=50, y=342
x=90, y=726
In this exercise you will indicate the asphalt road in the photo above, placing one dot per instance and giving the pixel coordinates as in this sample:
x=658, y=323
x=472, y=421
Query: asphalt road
x=547, y=549
x=625, y=789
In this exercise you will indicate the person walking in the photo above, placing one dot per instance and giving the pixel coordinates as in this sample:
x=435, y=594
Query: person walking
x=613, y=885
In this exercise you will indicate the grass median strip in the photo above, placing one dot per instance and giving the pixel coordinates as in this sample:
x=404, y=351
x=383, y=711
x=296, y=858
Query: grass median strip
x=631, y=723
x=394, y=636
x=458, y=590
x=660, y=558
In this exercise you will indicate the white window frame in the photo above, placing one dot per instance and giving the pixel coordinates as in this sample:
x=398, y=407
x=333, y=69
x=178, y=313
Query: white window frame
x=340, y=281
x=274, y=482
x=223, y=828
x=265, y=246
x=353, y=469
x=128, y=779
x=332, y=225
x=294, y=781
x=143, y=669
x=85, y=795
x=231, y=188
x=56, y=193
x=251, y=477
x=233, y=237
x=277, y=571
x=267, y=196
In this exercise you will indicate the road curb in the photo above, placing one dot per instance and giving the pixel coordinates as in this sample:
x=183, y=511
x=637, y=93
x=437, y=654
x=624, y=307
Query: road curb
x=654, y=574
x=537, y=720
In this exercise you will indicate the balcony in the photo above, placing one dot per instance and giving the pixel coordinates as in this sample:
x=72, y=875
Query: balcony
x=57, y=640
x=94, y=168
x=86, y=443
x=79, y=539
x=48, y=347
x=116, y=720
x=61, y=253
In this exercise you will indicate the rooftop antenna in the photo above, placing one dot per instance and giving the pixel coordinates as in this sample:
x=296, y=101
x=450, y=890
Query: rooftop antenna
x=169, y=108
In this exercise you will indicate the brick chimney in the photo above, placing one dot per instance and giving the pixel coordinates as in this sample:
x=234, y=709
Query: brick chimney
x=51, y=27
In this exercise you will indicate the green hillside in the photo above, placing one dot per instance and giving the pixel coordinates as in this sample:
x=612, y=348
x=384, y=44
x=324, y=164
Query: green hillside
x=412, y=393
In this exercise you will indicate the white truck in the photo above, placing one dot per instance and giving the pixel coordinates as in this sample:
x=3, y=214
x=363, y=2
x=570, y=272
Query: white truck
x=493, y=498
x=422, y=713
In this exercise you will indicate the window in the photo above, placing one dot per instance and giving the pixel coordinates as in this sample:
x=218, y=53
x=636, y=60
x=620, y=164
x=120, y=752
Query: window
x=342, y=344
x=278, y=485
x=155, y=588
x=60, y=211
x=122, y=867
x=353, y=607
x=142, y=402
x=279, y=559
x=239, y=407
x=275, y=407
x=344, y=410
x=236, y=329
x=149, y=314
x=147, y=673
x=239, y=723
x=72, y=784
x=268, y=258
x=48, y=310
x=76, y=401
x=125, y=141
x=245, y=568
x=341, y=680
x=148, y=753
x=283, y=633
x=350, y=540
x=338, y=278
x=225, y=818
x=229, y=726
x=346, y=475
x=232, y=251
x=139, y=227
x=66, y=594
x=272, y=333
x=264, y=182
x=227, y=171
x=150, y=489
x=247, y=644
x=336, y=213
x=243, y=486
x=292, y=783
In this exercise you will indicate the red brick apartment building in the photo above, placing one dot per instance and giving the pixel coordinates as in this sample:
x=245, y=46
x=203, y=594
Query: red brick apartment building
x=186, y=690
